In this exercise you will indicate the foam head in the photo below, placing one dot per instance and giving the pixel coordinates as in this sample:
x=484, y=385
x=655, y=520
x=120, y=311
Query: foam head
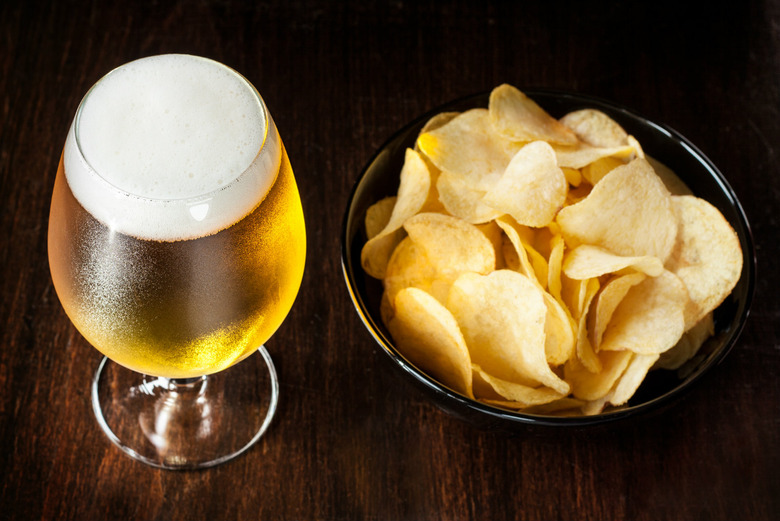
x=171, y=147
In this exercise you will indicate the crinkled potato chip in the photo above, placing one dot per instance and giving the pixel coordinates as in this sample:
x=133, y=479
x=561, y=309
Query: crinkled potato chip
x=427, y=334
x=502, y=317
x=707, y=256
x=413, y=191
x=561, y=327
x=595, y=171
x=468, y=147
x=493, y=232
x=597, y=406
x=437, y=121
x=378, y=215
x=595, y=128
x=544, y=265
x=521, y=395
x=574, y=294
x=633, y=376
x=634, y=143
x=674, y=184
x=555, y=267
x=462, y=200
x=452, y=245
x=588, y=385
x=608, y=299
x=629, y=212
x=517, y=117
x=586, y=354
x=542, y=239
x=688, y=346
x=377, y=251
x=408, y=267
x=582, y=154
x=650, y=318
x=578, y=193
x=573, y=177
x=529, y=261
x=586, y=261
x=559, y=330
x=566, y=406
x=532, y=188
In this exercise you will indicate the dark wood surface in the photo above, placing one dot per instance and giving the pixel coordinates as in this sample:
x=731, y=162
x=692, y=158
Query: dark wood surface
x=351, y=440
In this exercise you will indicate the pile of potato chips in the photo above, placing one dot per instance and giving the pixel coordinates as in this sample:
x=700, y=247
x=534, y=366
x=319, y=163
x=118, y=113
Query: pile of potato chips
x=545, y=265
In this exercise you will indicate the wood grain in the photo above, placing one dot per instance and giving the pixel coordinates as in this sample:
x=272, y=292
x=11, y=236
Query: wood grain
x=352, y=440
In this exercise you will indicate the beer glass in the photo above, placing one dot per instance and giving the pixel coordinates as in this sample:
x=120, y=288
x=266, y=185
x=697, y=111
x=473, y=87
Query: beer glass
x=177, y=247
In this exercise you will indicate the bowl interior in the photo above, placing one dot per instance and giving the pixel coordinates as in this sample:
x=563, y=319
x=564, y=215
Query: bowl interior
x=380, y=178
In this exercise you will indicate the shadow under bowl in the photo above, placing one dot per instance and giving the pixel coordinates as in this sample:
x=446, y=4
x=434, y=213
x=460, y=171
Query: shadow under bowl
x=380, y=178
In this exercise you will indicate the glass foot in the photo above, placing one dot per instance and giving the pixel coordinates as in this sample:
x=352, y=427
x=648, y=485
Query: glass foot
x=186, y=423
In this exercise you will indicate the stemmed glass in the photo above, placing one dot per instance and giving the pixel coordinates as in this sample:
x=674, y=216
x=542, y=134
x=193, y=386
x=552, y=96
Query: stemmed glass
x=177, y=246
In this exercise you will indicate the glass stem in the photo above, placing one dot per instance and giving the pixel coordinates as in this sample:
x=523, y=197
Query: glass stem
x=197, y=383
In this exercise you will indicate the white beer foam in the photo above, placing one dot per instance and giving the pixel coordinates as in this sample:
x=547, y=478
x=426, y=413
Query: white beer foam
x=171, y=147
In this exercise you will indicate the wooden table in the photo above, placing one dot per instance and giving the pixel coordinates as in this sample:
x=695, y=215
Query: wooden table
x=351, y=440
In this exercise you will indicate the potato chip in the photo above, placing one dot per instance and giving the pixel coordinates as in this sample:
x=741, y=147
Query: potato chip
x=560, y=327
x=377, y=251
x=650, y=318
x=595, y=128
x=609, y=298
x=629, y=212
x=586, y=354
x=427, y=334
x=378, y=215
x=433, y=202
x=529, y=261
x=632, y=377
x=588, y=385
x=510, y=257
x=532, y=188
x=495, y=235
x=542, y=239
x=574, y=294
x=468, y=147
x=566, y=406
x=582, y=154
x=452, y=246
x=518, y=395
x=462, y=200
x=555, y=266
x=634, y=143
x=573, y=176
x=593, y=172
x=674, y=184
x=597, y=406
x=502, y=318
x=438, y=121
x=517, y=117
x=412, y=193
x=412, y=190
x=559, y=332
x=578, y=193
x=688, y=346
x=707, y=256
x=409, y=266
x=586, y=262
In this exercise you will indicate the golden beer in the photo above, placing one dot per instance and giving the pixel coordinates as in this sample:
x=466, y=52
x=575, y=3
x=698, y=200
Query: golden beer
x=191, y=301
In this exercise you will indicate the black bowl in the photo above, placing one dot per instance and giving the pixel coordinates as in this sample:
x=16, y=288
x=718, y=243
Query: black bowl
x=380, y=178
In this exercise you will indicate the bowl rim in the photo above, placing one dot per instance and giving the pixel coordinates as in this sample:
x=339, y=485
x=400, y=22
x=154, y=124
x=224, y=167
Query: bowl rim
x=742, y=229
